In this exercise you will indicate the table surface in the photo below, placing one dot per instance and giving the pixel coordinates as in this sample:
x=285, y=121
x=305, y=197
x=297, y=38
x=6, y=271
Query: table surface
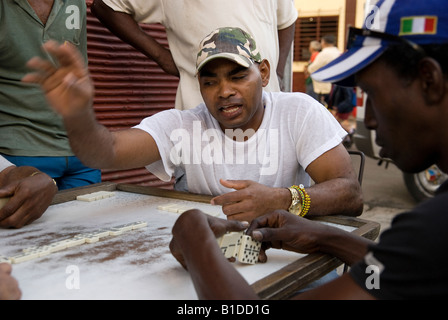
x=138, y=264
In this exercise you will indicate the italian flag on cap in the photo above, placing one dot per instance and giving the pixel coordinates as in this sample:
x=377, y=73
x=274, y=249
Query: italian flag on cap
x=418, y=25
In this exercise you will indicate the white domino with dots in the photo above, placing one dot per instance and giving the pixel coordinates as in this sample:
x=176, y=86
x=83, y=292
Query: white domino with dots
x=229, y=244
x=24, y=256
x=87, y=237
x=240, y=246
x=101, y=233
x=139, y=224
x=4, y=259
x=249, y=250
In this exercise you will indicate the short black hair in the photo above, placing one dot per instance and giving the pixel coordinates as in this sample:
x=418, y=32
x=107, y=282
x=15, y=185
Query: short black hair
x=404, y=60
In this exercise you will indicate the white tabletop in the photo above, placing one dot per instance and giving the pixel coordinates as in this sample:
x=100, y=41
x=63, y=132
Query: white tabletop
x=134, y=265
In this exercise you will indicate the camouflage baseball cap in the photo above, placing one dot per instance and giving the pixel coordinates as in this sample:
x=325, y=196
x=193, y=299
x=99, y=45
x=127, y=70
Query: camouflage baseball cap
x=229, y=43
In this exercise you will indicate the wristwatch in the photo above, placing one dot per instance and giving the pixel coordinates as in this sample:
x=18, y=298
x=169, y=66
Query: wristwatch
x=296, y=203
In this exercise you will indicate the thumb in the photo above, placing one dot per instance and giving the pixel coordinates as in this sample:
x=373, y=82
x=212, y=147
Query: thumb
x=7, y=191
x=236, y=225
x=267, y=234
x=234, y=184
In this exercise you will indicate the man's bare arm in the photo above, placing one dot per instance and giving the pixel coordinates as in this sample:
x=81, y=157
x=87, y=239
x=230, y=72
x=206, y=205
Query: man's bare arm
x=285, y=39
x=336, y=189
x=127, y=29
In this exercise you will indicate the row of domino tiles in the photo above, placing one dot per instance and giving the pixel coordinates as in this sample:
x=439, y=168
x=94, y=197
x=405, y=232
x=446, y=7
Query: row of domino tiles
x=90, y=237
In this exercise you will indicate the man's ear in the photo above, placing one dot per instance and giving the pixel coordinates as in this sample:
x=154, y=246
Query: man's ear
x=432, y=80
x=265, y=71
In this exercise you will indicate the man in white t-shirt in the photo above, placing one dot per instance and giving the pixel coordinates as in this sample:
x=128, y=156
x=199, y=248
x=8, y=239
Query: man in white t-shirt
x=250, y=149
x=25, y=194
x=270, y=22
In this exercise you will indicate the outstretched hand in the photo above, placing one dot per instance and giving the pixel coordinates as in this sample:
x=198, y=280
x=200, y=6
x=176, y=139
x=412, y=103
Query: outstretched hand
x=65, y=82
x=250, y=200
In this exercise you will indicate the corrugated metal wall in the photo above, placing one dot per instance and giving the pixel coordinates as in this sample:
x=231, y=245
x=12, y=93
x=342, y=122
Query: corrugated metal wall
x=128, y=87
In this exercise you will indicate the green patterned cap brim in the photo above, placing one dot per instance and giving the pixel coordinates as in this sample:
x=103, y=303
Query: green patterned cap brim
x=229, y=43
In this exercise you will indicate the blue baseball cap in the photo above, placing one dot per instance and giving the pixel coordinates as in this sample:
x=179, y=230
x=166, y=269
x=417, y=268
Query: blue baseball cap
x=414, y=22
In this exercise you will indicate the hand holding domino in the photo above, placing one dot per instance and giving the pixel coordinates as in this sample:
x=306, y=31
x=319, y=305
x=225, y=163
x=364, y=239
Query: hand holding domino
x=240, y=246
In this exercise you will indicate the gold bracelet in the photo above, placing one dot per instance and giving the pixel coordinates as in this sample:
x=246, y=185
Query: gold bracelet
x=37, y=172
x=306, y=200
x=296, y=205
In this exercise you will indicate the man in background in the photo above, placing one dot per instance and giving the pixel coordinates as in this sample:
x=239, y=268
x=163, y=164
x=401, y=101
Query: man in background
x=31, y=133
x=329, y=53
x=314, y=48
x=270, y=22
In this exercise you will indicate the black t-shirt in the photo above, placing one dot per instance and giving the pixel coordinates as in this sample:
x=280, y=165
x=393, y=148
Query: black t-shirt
x=411, y=258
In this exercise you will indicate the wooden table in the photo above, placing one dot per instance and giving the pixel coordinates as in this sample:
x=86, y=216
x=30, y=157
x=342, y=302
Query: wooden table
x=138, y=264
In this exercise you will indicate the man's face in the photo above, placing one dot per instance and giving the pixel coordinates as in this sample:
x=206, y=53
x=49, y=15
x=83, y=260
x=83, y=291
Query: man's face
x=233, y=94
x=396, y=110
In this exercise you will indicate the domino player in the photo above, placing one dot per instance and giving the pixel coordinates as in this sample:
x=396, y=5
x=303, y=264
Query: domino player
x=252, y=150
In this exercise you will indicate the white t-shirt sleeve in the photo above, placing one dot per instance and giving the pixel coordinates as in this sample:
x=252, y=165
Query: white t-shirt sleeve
x=162, y=126
x=286, y=14
x=318, y=133
x=4, y=163
x=143, y=11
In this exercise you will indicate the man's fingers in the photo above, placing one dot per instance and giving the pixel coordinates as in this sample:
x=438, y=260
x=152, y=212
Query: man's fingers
x=66, y=55
x=266, y=228
x=43, y=70
x=236, y=225
x=235, y=184
x=229, y=198
x=6, y=268
x=233, y=196
x=266, y=234
x=259, y=222
x=221, y=226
